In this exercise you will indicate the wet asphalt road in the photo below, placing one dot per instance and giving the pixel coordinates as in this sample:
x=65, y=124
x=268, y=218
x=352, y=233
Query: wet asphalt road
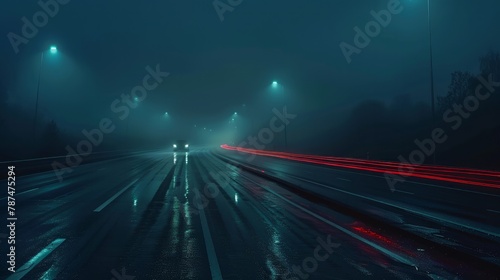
x=160, y=215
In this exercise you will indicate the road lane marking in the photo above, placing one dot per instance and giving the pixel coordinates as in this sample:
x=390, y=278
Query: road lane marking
x=409, y=181
x=385, y=251
x=403, y=192
x=413, y=211
x=494, y=211
x=27, y=267
x=212, y=256
x=454, y=189
x=344, y=179
x=98, y=209
x=21, y=193
x=28, y=191
x=213, y=262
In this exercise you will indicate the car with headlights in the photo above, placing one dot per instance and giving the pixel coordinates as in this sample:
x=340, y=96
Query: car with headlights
x=181, y=146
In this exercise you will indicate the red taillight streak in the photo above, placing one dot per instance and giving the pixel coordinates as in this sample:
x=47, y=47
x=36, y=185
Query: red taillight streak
x=381, y=163
x=384, y=163
x=419, y=169
x=382, y=238
x=377, y=166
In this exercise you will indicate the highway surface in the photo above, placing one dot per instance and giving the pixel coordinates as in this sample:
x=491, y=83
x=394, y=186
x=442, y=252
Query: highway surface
x=220, y=214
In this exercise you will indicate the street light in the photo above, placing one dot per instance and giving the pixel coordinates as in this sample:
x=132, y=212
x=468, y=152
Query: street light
x=166, y=117
x=53, y=50
x=129, y=118
x=433, y=96
x=248, y=116
x=233, y=122
x=275, y=84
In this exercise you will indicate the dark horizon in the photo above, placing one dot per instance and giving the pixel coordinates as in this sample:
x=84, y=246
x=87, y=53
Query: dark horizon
x=236, y=139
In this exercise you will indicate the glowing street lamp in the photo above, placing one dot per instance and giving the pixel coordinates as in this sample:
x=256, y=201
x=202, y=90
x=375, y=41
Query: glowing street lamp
x=276, y=85
x=433, y=97
x=53, y=50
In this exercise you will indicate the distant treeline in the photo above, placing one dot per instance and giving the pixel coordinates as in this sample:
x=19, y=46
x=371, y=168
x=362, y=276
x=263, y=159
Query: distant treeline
x=468, y=114
x=18, y=141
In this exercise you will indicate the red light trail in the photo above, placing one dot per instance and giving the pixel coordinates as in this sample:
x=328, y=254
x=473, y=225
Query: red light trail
x=483, y=178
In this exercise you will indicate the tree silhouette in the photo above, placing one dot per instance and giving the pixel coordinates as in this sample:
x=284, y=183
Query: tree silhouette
x=51, y=140
x=3, y=103
x=490, y=64
x=461, y=85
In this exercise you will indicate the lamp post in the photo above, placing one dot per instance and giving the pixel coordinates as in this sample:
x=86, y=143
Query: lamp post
x=433, y=97
x=129, y=118
x=53, y=50
x=275, y=84
x=233, y=119
x=166, y=116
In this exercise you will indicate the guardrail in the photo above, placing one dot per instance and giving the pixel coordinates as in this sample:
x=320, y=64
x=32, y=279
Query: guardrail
x=37, y=165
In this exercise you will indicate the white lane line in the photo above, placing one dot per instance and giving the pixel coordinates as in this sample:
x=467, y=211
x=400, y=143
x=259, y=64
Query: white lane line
x=494, y=211
x=409, y=181
x=418, y=212
x=27, y=267
x=404, y=192
x=213, y=262
x=21, y=193
x=27, y=191
x=454, y=189
x=98, y=209
x=212, y=257
x=388, y=253
x=344, y=179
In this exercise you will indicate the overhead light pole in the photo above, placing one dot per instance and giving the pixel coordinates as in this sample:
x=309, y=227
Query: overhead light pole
x=433, y=97
x=129, y=118
x=276, y=85
x=233, y=119
x=53, y=50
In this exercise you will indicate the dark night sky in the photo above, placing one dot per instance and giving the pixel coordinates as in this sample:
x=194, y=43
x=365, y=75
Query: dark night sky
x=216, y=66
